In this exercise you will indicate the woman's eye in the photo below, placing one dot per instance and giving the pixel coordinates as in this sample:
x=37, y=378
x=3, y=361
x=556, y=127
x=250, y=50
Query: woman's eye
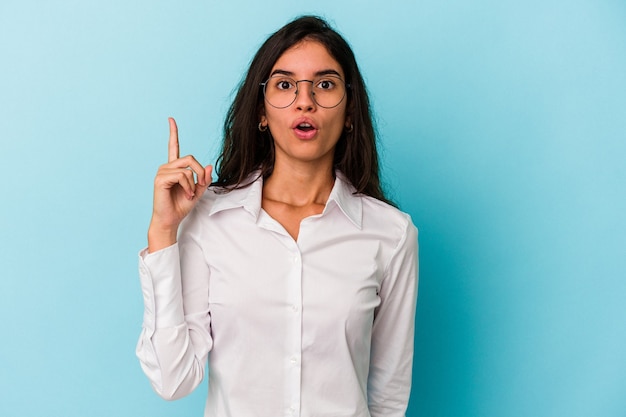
x=325, y=84
x=284, y=85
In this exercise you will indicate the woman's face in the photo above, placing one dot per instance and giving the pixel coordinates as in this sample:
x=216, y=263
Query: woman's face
x=304, y=131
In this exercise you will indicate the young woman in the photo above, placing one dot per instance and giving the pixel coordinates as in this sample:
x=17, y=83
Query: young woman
x=291, y=274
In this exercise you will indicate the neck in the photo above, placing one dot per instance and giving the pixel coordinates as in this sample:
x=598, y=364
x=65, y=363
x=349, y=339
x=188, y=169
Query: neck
x=299, y=186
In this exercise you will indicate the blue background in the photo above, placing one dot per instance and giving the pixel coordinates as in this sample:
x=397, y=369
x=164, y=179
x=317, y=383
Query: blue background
x=502, y=126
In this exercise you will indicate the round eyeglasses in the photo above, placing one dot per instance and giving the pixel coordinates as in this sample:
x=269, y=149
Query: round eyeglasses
x=327, y=91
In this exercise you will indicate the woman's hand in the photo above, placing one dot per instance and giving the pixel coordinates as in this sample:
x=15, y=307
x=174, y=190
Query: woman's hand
x=176, y=192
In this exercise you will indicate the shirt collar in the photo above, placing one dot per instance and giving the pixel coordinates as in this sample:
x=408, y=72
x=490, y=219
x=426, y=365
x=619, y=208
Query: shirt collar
x=342, y=195
x=249, y=198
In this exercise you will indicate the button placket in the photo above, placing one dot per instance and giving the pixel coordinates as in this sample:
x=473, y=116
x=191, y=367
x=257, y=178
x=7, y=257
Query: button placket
x=294, y=346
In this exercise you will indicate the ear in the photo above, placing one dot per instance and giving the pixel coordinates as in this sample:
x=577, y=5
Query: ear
x=263, y=120
x=348, y=122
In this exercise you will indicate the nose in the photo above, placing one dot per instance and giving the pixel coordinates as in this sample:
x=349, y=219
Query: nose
x=304, y=95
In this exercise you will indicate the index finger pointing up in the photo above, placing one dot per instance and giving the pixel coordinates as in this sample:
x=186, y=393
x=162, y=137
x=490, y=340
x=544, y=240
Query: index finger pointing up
x=173, y=152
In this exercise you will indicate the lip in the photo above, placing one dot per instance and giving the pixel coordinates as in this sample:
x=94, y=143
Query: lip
x=304, y=134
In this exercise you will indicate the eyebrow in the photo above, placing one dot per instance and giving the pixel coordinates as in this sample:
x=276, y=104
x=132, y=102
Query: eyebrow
x=328, y=71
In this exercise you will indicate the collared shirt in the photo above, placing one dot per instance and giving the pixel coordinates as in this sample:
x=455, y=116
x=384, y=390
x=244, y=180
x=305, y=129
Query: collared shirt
x=318, y=327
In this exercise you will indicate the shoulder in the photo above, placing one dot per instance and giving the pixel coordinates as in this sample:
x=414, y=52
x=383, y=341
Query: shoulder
x=375, y=218
x=384, y=218
x=204, y=206
x=197, y=219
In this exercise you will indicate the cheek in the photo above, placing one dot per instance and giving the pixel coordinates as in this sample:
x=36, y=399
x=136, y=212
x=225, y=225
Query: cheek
x=339, y=120
x=273, y=116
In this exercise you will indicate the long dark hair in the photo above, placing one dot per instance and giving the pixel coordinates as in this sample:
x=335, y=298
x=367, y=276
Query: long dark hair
x=247, y=149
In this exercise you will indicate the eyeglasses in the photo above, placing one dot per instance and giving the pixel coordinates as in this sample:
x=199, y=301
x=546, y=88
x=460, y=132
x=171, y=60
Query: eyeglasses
x=327, y=91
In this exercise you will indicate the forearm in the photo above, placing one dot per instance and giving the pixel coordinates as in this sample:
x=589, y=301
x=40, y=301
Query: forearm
x=172, y=348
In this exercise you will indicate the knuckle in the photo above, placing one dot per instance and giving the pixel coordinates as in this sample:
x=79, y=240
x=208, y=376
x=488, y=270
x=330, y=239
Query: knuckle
x=159, y=181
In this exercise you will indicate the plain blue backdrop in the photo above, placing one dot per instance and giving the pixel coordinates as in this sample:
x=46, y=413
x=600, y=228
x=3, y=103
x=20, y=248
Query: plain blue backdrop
x=502, y=131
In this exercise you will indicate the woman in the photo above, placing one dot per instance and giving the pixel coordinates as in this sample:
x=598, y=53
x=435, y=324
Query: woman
x=292, y=275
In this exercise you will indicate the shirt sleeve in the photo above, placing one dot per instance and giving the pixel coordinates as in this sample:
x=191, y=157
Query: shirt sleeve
x=175, y=339
x=391, y=361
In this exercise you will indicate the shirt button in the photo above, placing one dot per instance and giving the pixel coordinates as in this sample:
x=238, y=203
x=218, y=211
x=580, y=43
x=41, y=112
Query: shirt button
x=292, y=409
x=293, y=360
x=294, y=308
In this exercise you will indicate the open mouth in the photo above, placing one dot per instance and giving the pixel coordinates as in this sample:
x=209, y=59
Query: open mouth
x=305, y=127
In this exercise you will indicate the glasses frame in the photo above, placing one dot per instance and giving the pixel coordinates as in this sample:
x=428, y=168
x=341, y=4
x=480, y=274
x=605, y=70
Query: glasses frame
x=295, y=96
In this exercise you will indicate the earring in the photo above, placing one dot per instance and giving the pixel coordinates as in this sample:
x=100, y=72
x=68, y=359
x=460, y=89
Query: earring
x=350, y=129
x=261, y=127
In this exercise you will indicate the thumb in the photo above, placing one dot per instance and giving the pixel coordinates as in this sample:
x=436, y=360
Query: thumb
x=200, y=189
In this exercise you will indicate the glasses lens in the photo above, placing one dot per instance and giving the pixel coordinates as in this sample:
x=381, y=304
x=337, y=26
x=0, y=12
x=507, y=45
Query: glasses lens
x=280, y=91
x=327, y=91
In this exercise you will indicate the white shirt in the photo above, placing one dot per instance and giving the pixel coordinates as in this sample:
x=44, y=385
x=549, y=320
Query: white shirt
x=318, y=327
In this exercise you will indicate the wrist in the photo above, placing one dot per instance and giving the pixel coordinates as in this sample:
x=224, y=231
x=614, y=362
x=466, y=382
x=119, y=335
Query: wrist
x=160, y=237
